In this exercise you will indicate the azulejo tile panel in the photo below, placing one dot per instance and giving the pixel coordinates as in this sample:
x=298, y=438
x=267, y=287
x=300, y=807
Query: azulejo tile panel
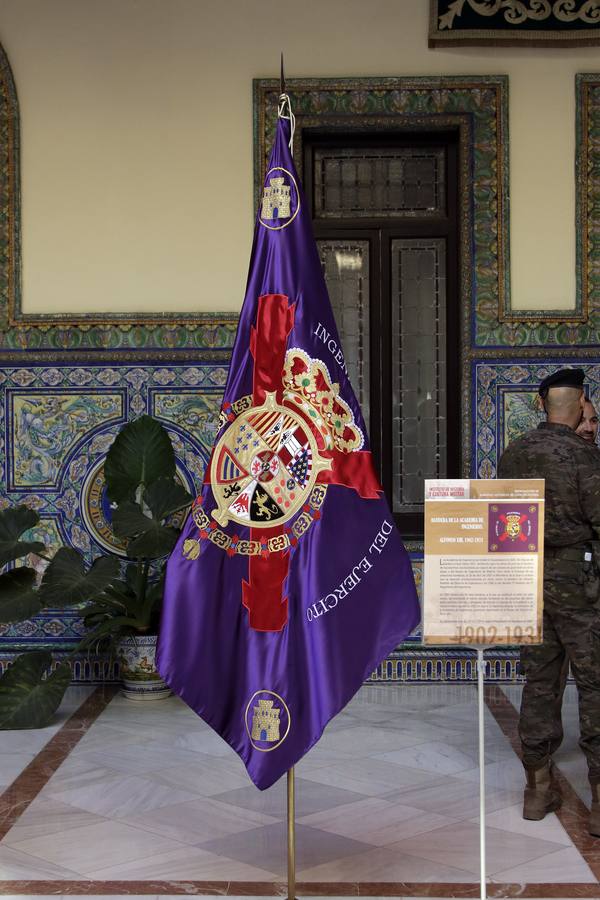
x=505, y=404
x=45, y=428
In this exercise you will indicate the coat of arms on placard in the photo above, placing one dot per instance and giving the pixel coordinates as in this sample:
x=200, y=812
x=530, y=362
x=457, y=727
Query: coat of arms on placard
x=513, y=527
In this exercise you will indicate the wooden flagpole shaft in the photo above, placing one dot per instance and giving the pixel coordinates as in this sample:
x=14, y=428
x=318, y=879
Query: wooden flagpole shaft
x=291, y=823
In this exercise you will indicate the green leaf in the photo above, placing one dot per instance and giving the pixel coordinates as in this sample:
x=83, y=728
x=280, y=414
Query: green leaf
x=165, y=497
x=156, y=543
x=66, y=583
x=155, y=591
x=128, y=520
x=141, y=453
x=18, y=599
x=147, y=538
x=118, y=592
x=13, y=522
x=27, y=699
x=109, y=630
x=132, y=576
x=102, y=608
x=154, y=598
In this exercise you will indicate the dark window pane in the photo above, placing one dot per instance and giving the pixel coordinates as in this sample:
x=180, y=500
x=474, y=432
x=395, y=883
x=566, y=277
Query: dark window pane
x=346, y=269
x=397, y=182
x=386, y=222
x=419, y=438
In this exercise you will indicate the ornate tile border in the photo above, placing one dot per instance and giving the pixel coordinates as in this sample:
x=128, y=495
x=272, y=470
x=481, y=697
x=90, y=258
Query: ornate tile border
x=10, y=197
x=587, y=211
x=447, y=664
x=20, y=331
x=420, y=102
x=504, y=403
x=580, y=328
x=480, y=99
x=477, y=106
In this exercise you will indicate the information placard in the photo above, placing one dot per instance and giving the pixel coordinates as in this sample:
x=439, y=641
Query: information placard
x=483, y=574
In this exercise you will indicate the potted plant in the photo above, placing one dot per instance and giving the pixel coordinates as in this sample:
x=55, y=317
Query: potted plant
x=31, y=689
x=140, y=475
x=123, y=596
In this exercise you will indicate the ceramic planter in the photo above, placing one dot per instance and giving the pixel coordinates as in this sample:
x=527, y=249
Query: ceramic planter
x=140, y=679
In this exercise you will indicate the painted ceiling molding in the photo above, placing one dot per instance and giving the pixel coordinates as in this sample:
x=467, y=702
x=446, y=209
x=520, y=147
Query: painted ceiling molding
x=476, y=104
x=477, y=107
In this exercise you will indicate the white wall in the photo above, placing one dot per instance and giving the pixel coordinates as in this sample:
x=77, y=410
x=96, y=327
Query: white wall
x=136, y=120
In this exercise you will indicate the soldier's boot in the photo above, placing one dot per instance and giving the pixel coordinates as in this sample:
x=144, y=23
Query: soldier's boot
x=541, y=794
x=594, y=826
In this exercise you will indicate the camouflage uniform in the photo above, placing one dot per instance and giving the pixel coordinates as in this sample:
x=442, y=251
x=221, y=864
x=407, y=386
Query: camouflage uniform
x=571, y=622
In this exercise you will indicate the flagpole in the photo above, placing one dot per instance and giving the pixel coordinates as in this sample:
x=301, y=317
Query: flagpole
x=291, y=823
x=291, y=784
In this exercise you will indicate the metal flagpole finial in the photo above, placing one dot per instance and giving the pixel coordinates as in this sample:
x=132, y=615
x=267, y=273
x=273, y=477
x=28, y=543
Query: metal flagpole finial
x=284, y=109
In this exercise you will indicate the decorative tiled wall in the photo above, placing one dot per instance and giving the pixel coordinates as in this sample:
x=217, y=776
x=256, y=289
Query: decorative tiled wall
x=505, y=402
x=56, y=424
x=67, y=383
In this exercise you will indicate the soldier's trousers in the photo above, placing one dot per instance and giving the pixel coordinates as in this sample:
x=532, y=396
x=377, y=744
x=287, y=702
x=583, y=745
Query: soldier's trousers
x=571, y=631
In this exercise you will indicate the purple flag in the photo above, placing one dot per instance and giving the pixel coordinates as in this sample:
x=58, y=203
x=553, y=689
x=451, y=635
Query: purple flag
x=289, y=583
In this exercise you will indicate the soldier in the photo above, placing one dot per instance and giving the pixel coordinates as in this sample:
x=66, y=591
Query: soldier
x=588, y=427
x=588, y=430
x=571, y=468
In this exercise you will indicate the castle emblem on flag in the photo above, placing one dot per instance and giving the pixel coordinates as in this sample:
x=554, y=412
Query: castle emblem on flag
x=267, y=720
x=276, y=200
x=280, y=200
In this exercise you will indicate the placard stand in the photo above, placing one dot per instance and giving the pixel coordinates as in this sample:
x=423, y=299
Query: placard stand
x=484, y=555
x=481, y=714
x=291, y=835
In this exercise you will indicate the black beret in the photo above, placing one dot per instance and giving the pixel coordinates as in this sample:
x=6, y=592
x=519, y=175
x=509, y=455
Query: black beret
x=562, y=378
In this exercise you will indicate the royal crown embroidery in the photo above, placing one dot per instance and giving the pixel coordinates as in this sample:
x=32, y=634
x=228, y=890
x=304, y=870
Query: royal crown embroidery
x=309, y=386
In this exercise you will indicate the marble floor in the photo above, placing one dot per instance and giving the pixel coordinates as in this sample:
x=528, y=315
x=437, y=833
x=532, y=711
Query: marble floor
x=18, y=748
x=143, y=798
